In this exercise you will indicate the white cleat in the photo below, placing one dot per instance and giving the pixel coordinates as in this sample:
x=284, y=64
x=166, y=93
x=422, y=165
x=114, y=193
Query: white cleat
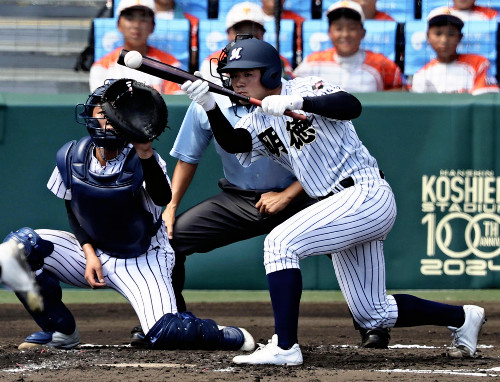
x=272, y=354
x=465, y=338
x=16, y=274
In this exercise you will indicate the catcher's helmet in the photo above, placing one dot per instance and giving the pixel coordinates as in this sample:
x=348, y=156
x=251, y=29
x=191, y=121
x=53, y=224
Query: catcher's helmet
x=102, y=137
x=252, y=53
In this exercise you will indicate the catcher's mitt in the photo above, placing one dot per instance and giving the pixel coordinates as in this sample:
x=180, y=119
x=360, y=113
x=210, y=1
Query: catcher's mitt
x=135, y=110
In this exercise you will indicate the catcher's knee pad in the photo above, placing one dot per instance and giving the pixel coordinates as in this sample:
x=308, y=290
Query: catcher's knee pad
x=166, y=333
x=36, y=248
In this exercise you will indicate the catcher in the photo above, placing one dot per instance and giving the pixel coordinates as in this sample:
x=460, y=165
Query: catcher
x=114, y=185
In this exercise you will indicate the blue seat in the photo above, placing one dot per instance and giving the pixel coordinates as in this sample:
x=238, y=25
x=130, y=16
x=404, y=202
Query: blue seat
x=212, y=37
x=380, y=37
x=479, y=38
x=171, y=36
x=400, y=10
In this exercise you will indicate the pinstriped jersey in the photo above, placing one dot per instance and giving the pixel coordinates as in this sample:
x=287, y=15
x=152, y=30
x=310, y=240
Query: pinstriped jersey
x=320, y=154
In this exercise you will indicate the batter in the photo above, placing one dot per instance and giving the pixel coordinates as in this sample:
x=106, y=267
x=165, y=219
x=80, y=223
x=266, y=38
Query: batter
x=355, y=212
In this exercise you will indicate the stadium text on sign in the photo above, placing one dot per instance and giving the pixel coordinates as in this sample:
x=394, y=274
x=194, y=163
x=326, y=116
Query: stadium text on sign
x=461, y=217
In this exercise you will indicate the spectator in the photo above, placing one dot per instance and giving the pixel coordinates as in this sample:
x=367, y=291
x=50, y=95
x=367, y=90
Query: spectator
x=451, y=72
x=169, y=10
x=136, y=22
x=268, y=8
x=346, y=65
x=467, y=10
x=371, y=12
x=242, y=18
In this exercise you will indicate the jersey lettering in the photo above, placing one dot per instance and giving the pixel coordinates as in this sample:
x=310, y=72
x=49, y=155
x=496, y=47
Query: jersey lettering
x=272, y=142
x=301, y=132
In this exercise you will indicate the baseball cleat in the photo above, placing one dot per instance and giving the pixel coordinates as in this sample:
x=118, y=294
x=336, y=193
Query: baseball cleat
x=465, y=338
x=272, y=354
x=138, y=338
x=377, y=338
x=16, y=274
x=234, y=338
x=52, y=339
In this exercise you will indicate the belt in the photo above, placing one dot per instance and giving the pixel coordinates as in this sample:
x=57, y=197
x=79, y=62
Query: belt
x=345, y=183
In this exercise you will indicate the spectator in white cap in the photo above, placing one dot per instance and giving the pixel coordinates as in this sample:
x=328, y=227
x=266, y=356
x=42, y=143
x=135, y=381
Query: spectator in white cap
x=136, y=22
x=346, y=64
x=467, y=10
x=242, y=18
x=450, y=71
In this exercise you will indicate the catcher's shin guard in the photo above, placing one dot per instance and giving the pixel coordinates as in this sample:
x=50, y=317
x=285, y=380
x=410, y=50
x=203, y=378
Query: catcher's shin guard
x=55, y=316
x=36, y=248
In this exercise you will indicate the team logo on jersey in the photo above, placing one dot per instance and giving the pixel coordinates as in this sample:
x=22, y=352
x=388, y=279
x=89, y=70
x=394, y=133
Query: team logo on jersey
x=235, y=54
x=301, y=133
x=273, y=143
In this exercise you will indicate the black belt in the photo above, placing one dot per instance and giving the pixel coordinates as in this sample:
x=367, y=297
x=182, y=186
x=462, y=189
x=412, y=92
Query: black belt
x=345, y=183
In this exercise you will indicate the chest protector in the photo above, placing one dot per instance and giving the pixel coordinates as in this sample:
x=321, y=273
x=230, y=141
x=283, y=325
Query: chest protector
x=108, y=207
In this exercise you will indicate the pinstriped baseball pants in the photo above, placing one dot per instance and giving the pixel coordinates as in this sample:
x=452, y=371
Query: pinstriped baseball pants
x=351, y=225
x=145, y=281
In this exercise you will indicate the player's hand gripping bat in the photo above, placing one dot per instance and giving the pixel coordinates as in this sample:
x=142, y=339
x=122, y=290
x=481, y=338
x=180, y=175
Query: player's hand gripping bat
x=171, y=73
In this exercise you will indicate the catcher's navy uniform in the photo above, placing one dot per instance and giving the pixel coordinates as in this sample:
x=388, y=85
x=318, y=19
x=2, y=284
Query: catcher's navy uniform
x=116, y=208
x=355, y=212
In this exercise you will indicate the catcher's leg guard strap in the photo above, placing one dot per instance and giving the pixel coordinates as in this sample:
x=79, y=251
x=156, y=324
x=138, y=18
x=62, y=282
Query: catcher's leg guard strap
x=55, y=316
x=36, y=248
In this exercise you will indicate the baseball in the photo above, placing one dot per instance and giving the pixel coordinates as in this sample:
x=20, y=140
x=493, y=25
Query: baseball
x=133, y=59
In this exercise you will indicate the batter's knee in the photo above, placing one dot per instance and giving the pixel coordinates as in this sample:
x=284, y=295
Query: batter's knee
x=36, y=248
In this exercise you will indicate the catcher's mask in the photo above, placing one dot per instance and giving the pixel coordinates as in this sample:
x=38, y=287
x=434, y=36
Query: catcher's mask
x=102, y=137
x=251, y=53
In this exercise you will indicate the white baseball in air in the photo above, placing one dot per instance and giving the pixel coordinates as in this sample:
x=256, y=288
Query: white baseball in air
x=133, y=59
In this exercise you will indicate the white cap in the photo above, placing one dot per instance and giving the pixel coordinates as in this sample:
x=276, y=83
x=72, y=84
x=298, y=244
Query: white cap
x=124, y=4
x=346, y=4
x=444, y=15
x=246, y=11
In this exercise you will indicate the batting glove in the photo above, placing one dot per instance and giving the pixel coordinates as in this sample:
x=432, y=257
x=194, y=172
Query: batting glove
x=199, y=92
x=277, y=104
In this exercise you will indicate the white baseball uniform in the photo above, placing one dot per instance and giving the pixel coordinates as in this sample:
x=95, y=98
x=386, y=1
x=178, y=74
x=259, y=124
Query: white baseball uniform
x=351, y=224
x=143, y=280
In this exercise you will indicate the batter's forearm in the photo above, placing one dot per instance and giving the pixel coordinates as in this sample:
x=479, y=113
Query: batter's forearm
x=293, y=190
x=340, y=105
x=231, y=140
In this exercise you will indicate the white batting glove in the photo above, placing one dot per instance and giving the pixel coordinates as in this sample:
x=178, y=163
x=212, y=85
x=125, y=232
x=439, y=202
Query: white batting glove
x=199, y=92
x=277, y=104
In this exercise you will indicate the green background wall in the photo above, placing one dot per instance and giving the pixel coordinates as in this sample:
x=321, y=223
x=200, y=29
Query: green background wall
x=411, y=136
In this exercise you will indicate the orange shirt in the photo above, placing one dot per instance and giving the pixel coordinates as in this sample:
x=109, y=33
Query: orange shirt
x=468, y=74
x=383, y=16
x=365, y=71
x=107, y=68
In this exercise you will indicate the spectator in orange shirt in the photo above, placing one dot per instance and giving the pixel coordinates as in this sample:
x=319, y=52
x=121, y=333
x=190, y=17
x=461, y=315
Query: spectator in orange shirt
x=242, y=18
x=168, y=10
x=371, y=12
x=467, y=10
x=451, y=72
x=346, y=65
x=136, y=22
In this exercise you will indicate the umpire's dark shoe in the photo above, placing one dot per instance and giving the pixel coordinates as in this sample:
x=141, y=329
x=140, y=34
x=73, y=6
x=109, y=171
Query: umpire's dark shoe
x=137, y=338
x=375, y=338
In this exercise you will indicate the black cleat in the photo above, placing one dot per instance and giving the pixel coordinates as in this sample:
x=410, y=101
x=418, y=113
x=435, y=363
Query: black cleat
x=375, y=338
x=137, y=338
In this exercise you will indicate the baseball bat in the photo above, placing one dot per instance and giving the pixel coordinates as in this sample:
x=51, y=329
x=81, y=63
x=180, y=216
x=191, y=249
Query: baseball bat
x=171, y=73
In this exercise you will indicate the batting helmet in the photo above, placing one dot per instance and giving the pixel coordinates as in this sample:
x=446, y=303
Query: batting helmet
x=102, y=137
x=254, y=54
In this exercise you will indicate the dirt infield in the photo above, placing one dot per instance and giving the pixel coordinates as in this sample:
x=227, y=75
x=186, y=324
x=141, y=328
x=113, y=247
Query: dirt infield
x=327, y=338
